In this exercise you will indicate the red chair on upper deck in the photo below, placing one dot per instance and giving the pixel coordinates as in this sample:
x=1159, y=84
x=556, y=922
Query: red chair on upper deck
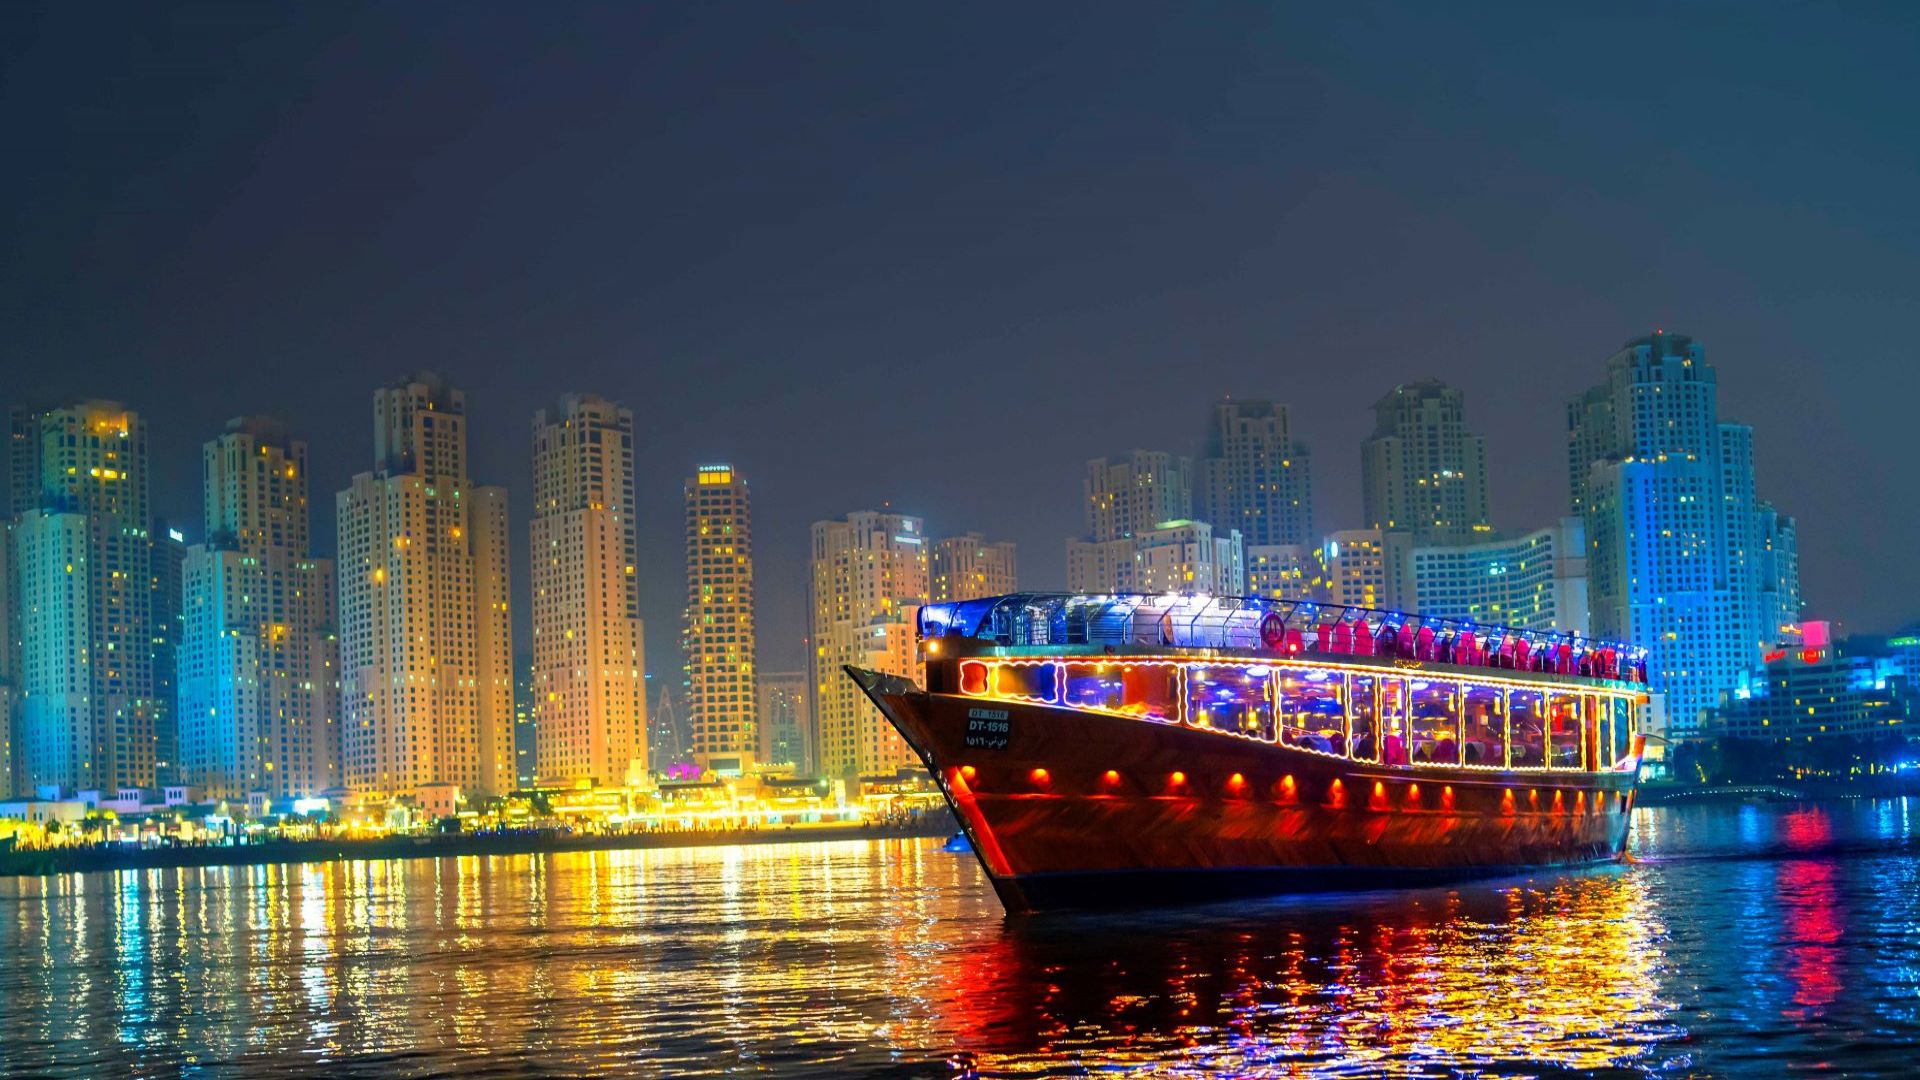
x=1424, y=644
x=1362, y=639
x=1466, y=650
x=1342, y=638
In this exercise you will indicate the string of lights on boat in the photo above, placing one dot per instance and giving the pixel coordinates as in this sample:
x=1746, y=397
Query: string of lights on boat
x=1304, y=627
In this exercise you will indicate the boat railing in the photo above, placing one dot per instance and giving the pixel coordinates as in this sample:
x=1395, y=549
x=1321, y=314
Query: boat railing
x=1288, y=627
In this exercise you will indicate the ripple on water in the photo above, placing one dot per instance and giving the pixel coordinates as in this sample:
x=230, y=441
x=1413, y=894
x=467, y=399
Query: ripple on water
x=1742, y=940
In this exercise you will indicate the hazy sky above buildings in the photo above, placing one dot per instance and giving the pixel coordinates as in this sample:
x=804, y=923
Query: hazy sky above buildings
x=940, y=255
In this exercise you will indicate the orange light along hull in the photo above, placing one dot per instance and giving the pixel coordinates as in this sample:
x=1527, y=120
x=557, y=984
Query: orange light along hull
x=1076, y=809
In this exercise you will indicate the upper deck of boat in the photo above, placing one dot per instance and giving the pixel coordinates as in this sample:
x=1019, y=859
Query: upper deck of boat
x=1123, y=624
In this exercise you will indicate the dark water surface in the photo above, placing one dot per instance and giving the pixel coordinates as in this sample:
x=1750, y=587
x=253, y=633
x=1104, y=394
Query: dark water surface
x=1743, y=940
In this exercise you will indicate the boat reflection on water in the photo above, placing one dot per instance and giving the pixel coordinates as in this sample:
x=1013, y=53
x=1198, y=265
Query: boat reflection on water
x=1738, y=941
x=1556, y=973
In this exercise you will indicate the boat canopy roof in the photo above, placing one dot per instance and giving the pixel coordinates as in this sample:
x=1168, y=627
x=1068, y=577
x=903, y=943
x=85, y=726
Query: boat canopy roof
x=1199, y=620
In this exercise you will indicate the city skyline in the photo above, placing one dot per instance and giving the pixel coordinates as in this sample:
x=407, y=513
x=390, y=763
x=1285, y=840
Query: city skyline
x=809, y=288
x=667, y=657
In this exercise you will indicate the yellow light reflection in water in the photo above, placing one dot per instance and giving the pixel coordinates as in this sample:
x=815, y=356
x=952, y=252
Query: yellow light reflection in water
x=852, y=957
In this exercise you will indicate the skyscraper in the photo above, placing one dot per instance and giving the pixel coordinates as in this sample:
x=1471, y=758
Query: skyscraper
x=1128, y=495
x=1186, y=557
x=1255, y=475
x=1672, y=521
x=526, y=745
x=426, y=680
x=1422, y=472
x=167, y=559
x=1124, y=499
x=259, y=673
x=588, y=642
x=82, y=586
x=9, y=659
x=667, y=737
x=1533, y=581
x=1778, y=572
x=966, y=567
x=718, y=634
x=783, y=712
x=869, y=578
x=1354, y=570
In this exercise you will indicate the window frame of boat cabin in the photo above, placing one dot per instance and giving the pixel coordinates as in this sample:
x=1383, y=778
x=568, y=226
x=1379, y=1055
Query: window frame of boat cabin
x=1582, y=693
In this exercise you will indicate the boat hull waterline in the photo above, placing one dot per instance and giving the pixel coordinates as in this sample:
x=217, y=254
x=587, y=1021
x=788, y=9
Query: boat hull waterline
x=1073, y=808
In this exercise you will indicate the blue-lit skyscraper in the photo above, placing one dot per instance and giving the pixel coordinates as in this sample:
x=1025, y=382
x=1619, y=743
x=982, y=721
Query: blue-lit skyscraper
x=259, y=657
x=81, y=590
x=1674, y=530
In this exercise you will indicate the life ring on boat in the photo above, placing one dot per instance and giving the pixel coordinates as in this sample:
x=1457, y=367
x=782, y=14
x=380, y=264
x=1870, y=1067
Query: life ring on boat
x=1273, y=630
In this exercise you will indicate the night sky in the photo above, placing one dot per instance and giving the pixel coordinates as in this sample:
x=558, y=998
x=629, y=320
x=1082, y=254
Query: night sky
x=942, y=254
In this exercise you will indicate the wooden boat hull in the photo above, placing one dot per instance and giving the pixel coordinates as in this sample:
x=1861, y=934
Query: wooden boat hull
x=1069, y=808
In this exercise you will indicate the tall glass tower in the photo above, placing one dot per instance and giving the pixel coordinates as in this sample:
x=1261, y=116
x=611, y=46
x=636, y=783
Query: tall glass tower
x=1674, y=530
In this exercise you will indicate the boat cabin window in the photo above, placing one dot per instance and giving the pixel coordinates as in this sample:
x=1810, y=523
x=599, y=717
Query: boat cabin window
x=1231, y=698
x=973, y=677
x=1483, y=739
x=1434, y=721
x=1564, y=731
x=1031, y=682
x=1312, y=713
x=1363, y=718
x=1393, y=721
x=1527, y=729
x=1624, y=716
x=1145, y=690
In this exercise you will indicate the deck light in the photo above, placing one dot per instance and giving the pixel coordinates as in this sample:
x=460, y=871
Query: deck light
x=1039, y=777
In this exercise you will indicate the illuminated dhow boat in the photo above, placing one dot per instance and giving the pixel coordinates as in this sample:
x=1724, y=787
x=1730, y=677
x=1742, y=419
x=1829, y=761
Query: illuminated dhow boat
x=1117, y=750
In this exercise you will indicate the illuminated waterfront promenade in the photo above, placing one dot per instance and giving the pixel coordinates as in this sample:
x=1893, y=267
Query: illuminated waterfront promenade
x=665, y=833
x=1747, y=942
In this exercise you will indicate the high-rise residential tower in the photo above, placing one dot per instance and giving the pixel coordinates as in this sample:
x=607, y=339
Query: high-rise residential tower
x=1422, y=472
x=1125, y=499
x=526, y=744
x=1672, y=522
x=967, y=567
x=1778, y=572
x=259, y=672
x=1129, y=495
x=783, y=716
x=588, y=645
x=426, y=679
x=718, y=635
x=81, y=587
x=1254, y=476
x=9, y=659
x=167, y=558
x=1531, y=581
x=868, y=582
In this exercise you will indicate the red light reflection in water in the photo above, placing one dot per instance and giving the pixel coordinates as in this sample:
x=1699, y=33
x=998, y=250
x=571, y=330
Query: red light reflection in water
x=1809, y=829
x=1812, y=921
